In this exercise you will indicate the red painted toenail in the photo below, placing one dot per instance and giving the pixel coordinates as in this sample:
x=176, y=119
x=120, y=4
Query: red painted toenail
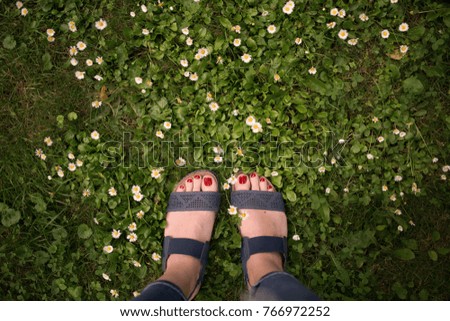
x=181, y=186
x=197, y=176
x=189, y=180
x=269, y=187
x=208, y=181
x=262, y=179
x=253, y=175
x=242, y=179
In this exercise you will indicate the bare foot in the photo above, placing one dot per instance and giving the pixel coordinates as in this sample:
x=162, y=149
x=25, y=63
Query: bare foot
x=261, y=223
x=184, y=270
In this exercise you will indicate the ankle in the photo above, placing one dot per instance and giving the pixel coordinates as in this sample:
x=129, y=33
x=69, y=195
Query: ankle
x=183, y=271
x=261, y=264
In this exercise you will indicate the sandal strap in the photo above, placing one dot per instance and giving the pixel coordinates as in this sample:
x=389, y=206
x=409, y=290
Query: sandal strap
x=258, y=200
x=185, y=246
x=262, y=244
x=194, y=201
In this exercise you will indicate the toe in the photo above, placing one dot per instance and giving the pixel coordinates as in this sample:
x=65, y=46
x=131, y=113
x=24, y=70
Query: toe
x=254, y=180
x=270, y=187
x=189, y=184
x=181, y=188
x=263, y=184
x=209, y=183
x=197, y=183
x=243, y=183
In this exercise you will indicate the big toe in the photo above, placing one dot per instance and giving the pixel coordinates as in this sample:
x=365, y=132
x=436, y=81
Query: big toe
x=243, y=183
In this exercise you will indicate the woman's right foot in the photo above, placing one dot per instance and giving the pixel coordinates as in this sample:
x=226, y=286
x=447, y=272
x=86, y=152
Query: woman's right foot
x=261, y=223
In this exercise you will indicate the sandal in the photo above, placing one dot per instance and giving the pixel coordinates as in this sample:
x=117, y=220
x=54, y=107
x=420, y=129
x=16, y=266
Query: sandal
x=260, y=200
x=191, y=201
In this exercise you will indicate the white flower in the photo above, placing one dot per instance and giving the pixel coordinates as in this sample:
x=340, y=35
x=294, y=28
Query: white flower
x=95, y=135
x=435, y=160
x=218, y=159
x=380, y=139
x=271, y=29
x=411, y=223
x=60, y=173
x=394, y=1
x=400, y=228
x=403, y=27
x=346, y=190
x=396, y=131
x=398, y=178
x=98, y=77
x=132, y=237
x=72, y=26
x=404, y=49
x=334, y=12
x=193, y=76
x=237, y=42
x=214, y=106
x=79, y=162
x=250, y=121
x=235, y=112
x=274, y=173
x=353, y=41
x=369, y=156
x=226, y=186
x=341, y=141
x=135, y=189
x=138, y=197
x=384, y=188
x=402, y=134
x=265, y=13
x=50, y=32
x=108, y=249
x=89, y=62
x=136, y=264
x=385, y=34
x=24, y=12
x=132, y=14
x=156, y=173
x=112, y=191
x=363, y=17
x=185, y=31
x=312, y=70
x=106, y=277
x=96, y=104
x=132, y=227
x=49, y=177
x=375, y=119
x=159, y=134
x=288, y=8
x=189, y=41
x=333, y=161
x=48, y=141
x=341, y=13
x=232, y=180
x=86, y=192
x=296, y=237
x=80, y=74
x=445, y=168
x=236, y=28
x=343, y=34
x=298, y=41
x=322, y=169
x=232, y=210
x=116, y=233
x=138, y=80
x=180, y=161
x=145, y=32
x=327, y=190
x=114, y=293
x=72, y=167
x=393, y=197
x=73, y=62
x=167, y=125
x=81, y=45
x=144, y=8
x=331, y=25
x=156, y=257
x=257, y=127
x=95, y=220
x=100, y=24
x=99, y=60
x=184, y=62
x=140, y=214
x=19, y=4
x=443, y=177
x=218, y=150
x=398, y=212
x=246, y=58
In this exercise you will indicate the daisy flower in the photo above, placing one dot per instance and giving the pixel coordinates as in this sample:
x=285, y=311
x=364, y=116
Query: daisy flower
x=393, y=197
x=112, y=191
x=403, y=27
x=138, y=80
x=144, y=8
x=132, y=237
x=235, y=112
x=43, y=157
x=343, y=34
x=219, y=60
x=138, y=197
x=246, y=58
x=331, y=25
x=271, y=29
x=214, y=106
x=240, y=152
x=185, y=31
x=114, y=293
x=101, y=24
x=132, y=227
x=396, y=131
x=404, y=49
x=81, y=45
x=72, y=26
x=341, y=13
x=180, y=161
x=298, y=41
x=296, y=237
x=400, y=228
x=24, y=12
x=369, y=156
x=73, y=51
x=48, y=141
x=98, y=77
x=334, y=12
x=156, y=257
x=257, y=127
x=132, y=14
x=136, y=264
x=106, y=277
x=274, y=173
x=237, y=42
x=232, y=210
x=135, y=189
x=140, y=214
x=73, y=62
x=445, y=168
x=398, y=212
x=19, y=4
x=402, y=134
x=394, y=1
x=189, y=41
x=435, y=160
x=322, y=169
x=385, y=34
x=236, y=29
x=50, y=32
x=159, y=134
x=96, y=104
x=232, y=180
x=193, y=76
x=184, y=62
x=288, y=8
x=380, y=139
x=363, y=17
x=218, y=150
x=346, y=190
x=89, y=62
x=327, y=190
x=108, y=249
x=79, y=74
x=145, y=32
x=226, y=186
x=167, y=125
x=99, y=60
x=312, y=71
x=95, y=135
x=443, y=177
x=384, y=188
x=353, y=41
x=86, y=192
x=276, y=77
x=250, y=121
x=218, y=159
x=72, y=167
x=156, y=173
x=341, y=141
x=116, y=233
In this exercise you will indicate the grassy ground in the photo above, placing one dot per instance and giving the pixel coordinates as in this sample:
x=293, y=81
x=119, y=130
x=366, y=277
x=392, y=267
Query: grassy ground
x=44, y=256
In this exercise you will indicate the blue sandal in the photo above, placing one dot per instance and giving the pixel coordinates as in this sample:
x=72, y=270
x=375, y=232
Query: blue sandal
x=191, y=201
x=260, y=200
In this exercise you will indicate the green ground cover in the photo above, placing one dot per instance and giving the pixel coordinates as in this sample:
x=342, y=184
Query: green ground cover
x=349, y=122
